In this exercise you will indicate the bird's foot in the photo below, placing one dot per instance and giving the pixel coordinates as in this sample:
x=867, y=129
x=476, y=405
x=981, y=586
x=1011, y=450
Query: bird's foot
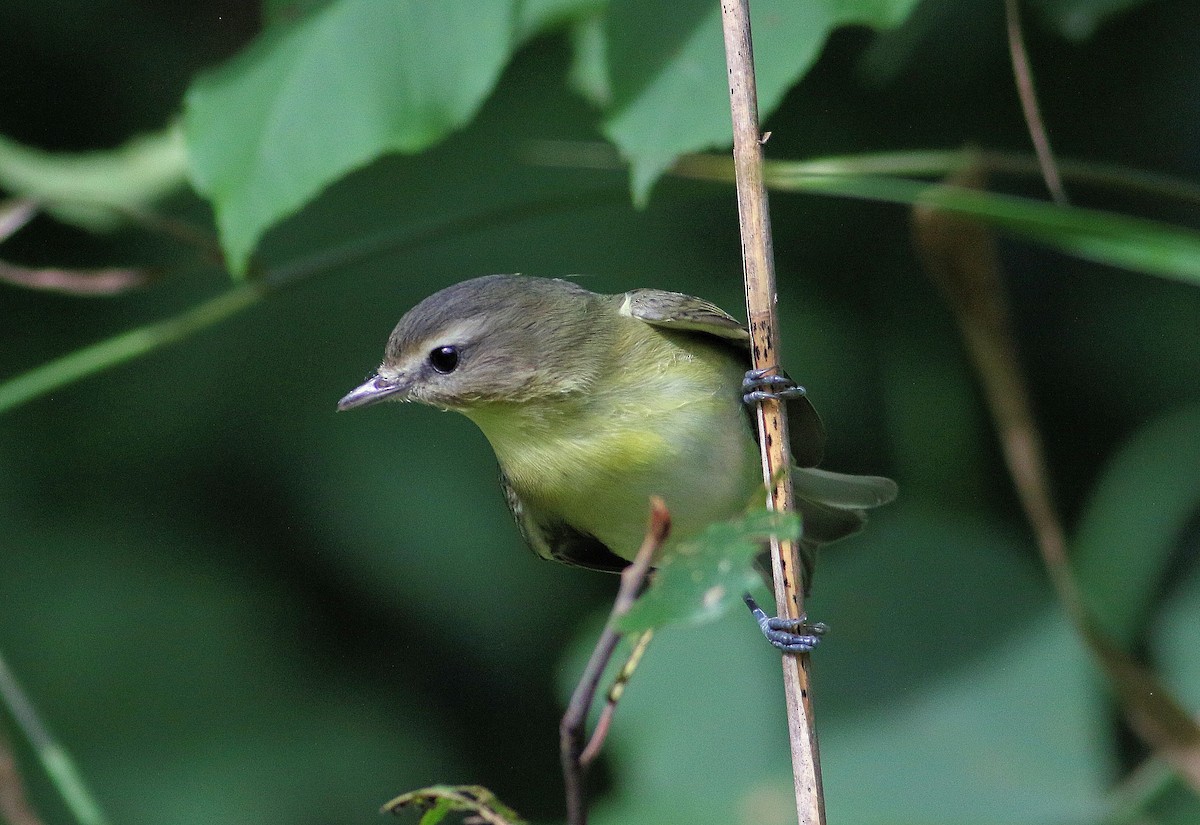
x=789, y=635
x=758, y=385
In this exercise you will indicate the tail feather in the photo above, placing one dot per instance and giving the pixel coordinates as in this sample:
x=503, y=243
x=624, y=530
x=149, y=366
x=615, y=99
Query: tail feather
x=841, y=490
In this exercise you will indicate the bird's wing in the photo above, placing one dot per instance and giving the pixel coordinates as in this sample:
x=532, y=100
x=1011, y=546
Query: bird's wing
x=555, y=540
x=674, y=310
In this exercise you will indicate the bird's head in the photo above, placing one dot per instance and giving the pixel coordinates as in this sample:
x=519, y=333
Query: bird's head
x=501, y=338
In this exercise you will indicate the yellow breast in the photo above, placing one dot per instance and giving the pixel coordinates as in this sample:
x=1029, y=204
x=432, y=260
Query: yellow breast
x=663, y=417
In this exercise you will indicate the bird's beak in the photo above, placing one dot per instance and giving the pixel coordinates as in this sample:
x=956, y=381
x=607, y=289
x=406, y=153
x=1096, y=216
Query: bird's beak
x=374, y=390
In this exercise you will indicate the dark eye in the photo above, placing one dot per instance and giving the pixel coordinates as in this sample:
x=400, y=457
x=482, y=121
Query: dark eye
x=444, y=359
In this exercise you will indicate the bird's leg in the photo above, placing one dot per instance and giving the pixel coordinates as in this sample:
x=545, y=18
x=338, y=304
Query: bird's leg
x=759, y=385
x=789, y=635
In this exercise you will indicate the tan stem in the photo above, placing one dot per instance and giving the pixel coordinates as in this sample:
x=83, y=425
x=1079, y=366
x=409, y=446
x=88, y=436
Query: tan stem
x=759, y=271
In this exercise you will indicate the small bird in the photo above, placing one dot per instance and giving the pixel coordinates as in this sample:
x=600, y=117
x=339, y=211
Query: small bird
x=594, y=403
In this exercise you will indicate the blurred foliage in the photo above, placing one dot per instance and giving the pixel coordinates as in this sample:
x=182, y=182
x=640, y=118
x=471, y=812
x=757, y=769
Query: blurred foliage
x=233, y=605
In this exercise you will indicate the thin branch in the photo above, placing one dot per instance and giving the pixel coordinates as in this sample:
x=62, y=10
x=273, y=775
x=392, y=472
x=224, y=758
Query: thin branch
x=615, y=693
x=78, y=282
x=15, y=214
x=1023, y=74
x=759, y=270
x=574, y=721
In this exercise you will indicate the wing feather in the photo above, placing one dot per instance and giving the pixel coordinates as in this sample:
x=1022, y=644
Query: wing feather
x=686, y=313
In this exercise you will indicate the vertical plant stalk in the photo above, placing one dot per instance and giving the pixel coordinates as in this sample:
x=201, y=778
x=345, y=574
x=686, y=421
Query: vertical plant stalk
x=759, y=270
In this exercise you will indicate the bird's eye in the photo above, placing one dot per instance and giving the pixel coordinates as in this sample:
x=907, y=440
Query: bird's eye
x=444, y=359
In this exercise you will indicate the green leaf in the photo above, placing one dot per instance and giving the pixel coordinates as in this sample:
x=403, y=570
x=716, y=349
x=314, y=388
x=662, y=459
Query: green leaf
x=700, y=578
x=667, y=68
x=1134, y=520
x=347, y=83
x=94, y=189
x=589, y=67
x=439, y=800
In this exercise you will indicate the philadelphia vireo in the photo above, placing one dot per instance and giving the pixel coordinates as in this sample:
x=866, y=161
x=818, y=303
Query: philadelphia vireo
x=594, y=403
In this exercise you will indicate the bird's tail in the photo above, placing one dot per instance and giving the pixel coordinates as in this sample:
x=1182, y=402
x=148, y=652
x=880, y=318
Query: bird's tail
x=833, y=506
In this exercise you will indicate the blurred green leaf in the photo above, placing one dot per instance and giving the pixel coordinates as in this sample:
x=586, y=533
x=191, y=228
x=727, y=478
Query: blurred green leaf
x=666, y=64
x=1131, y=527
x=589, y=66
x=701, y=577
x=308, y=103
x=96, y=190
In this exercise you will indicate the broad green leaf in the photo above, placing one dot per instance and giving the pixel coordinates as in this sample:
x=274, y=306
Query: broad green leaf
x=700, y=578
x=94, y=189
x=347, y=83
x=667, y=69
x=1134, y=521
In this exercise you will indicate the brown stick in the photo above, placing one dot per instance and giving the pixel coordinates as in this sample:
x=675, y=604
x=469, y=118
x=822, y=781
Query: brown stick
x=759, y=270
x=572, y=728
x=1023, y=75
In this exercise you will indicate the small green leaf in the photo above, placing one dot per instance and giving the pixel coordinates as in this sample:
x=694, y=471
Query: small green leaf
x=439, y=800
x=350, y=81
x=700, y=578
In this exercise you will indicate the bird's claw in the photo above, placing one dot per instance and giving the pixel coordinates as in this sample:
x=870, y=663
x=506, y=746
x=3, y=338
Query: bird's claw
x=760, y=385
x=788, y=635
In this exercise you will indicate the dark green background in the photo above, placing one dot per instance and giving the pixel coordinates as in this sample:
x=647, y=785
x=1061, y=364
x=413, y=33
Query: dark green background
x=233, y=605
